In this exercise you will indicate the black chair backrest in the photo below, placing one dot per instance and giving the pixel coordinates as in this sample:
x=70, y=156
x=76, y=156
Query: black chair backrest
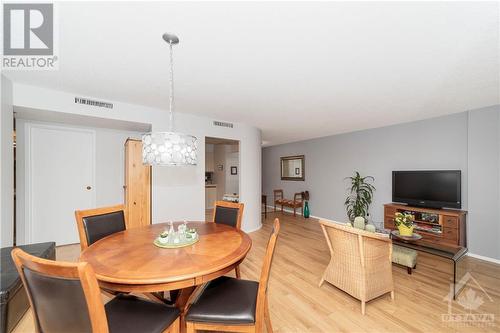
x=226, y=215
x=100, y=226
x=60, y=304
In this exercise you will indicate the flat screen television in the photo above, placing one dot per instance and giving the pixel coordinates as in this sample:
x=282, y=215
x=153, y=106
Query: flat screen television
x=433, y=188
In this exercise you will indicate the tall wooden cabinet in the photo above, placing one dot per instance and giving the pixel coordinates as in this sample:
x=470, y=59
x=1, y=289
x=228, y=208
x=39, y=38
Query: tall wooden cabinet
x=137, y=186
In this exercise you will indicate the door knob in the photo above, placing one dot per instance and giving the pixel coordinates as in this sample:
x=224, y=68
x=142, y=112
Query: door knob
x=89, y=187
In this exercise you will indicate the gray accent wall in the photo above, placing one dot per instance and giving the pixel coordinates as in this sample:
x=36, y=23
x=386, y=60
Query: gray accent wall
x=484, y=182
x=438, y=143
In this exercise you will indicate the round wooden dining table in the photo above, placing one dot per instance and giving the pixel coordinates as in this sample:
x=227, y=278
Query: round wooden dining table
x=128, y=261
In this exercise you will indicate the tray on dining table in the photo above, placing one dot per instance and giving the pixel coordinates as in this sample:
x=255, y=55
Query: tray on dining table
x=181, y=243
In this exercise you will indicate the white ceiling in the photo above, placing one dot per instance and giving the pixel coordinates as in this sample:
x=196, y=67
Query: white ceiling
x=297, y=70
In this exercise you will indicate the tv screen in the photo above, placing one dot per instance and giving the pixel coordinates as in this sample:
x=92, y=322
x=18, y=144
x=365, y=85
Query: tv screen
x=436, y=189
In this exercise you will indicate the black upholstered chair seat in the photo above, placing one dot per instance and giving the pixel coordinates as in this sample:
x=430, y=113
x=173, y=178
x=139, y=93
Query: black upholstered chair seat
x=226, y=300
x=128, y=313
x=100, y=226
x=226, y=215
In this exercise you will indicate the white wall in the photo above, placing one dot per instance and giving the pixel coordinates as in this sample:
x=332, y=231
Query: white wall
x=110, y=162
x=6, y=165
x=232, y=181
x=220, y=175
x=178, y=192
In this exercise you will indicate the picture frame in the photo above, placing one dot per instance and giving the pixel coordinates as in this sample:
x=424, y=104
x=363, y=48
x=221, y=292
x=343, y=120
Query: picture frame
x=234, y=170
x=293, y=168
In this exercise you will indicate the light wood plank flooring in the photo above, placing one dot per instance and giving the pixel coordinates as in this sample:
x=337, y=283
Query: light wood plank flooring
x=297, y=304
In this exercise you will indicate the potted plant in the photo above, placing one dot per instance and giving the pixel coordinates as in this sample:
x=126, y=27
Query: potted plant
x=404, y=223
x=360, y=196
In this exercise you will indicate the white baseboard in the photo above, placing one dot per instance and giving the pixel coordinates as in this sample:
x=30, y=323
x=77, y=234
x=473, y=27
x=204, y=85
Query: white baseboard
x=288, y=210
x=477, y=256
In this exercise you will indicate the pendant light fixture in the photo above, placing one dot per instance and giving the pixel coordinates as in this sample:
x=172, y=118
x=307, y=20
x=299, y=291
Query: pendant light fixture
x=169, y=148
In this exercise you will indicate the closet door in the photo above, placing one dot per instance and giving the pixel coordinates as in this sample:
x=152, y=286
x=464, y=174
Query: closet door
x=59, y=180
x=137, y=186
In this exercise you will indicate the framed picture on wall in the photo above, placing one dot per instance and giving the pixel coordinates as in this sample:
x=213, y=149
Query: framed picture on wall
x=292, y=167
x=234, y=170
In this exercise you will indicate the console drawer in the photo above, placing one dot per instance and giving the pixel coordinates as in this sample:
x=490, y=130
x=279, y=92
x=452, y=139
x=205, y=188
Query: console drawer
x=389, y=222
x=388, y=211
x=451, y=234
x=450, y=222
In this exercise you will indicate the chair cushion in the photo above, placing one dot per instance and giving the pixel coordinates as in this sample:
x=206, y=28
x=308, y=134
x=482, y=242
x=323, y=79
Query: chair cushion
x=226, y=300
x=100, y=226
x=127, y=313
x=226, y=215
x=59, y=304
x=404, y=256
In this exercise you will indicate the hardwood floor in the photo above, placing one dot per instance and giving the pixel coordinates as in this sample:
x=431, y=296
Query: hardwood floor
x=297, y=304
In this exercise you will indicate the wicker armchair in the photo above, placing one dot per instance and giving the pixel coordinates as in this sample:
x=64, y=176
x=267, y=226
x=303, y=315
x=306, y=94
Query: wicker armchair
x=360, y=262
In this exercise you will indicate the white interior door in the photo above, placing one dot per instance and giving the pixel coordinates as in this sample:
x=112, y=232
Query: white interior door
x=60, y=179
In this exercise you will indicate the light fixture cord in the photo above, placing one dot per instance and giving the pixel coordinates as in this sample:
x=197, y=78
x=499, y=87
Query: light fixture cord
x=171, y=100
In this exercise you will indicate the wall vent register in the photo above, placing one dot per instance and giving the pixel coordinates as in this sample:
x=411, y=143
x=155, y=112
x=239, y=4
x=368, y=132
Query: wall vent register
x=86, y=101
x=223, y=124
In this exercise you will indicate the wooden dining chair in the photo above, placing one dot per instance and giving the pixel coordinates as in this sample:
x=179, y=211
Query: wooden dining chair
x=94, y=224
x=65, y=297
x=229, y=213
x=233, y=305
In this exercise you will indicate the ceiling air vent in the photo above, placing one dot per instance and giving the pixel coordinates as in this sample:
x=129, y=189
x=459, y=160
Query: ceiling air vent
x=86, y=101
x=223, y=124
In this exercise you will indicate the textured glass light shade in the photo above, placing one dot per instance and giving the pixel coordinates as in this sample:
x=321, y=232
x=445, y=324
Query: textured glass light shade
x=169, y=148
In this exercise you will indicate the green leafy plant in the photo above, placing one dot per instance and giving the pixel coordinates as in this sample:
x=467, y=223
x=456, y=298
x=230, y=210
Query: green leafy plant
x=404, y=219
x=360, y=196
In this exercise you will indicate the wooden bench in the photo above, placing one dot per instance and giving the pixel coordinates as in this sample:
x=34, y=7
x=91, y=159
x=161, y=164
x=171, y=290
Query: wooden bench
x=297, y=201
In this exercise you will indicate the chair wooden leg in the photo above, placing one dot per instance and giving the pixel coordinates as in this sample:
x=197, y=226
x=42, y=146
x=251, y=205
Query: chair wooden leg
x=408, y=269
x=190, y=327
x=174, y=327
x=269, y=326
x=363, y=305
x=238, y=273
x=294, y=212
x=321, y=282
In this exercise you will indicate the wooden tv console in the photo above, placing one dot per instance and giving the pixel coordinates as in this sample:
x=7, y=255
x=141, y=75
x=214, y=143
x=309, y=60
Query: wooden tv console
x=437, y=226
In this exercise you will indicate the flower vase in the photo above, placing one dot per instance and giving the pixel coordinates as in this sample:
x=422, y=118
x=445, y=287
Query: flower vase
x=405, y=231
x=306, y=210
